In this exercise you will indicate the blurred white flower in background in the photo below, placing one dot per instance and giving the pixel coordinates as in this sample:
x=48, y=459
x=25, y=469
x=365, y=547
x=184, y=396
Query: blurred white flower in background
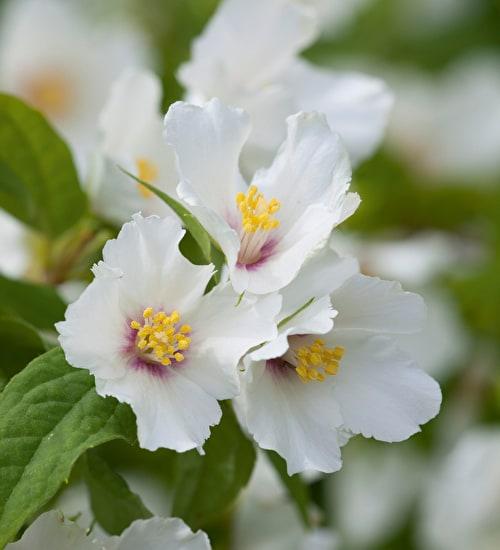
x=63, y=64
x=371, y=497
x=13, y=252
x=132, y=138
x=248, y=57
x=52, y=530
x=460, y=509
x=266, y=519
x=447, y=128
x=434, y=16
x=335, y=16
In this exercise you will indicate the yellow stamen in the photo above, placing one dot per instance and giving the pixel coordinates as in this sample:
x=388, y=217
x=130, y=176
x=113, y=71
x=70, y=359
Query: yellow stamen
x=50, y=92
x=256, y=212
x=316, y=360
x=158, y=337
x=148, y=172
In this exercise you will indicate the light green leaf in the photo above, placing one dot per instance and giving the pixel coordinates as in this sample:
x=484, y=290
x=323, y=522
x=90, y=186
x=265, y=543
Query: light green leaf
x=297, y=489
x=19, y=344
x=194, y=227
x=207, y=485
x=39, y=305
x=38, y=180
x=114, y=505
x=50, y=414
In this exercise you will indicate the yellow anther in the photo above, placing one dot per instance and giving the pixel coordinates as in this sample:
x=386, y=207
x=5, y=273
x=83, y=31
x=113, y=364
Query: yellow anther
x=174, y=317
x=159, y=338
x=256, y=212
x=316, y=360
x=50, y=92
x=148, y=172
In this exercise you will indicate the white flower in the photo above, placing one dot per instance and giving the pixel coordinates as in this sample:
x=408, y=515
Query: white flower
x=151, y=338
x=266, y=519
x=448, y=128
x=461, y=506
x=13, y=250
x=265, y=230
x=368, y=508
x=304, y=395
x=131, y=127
x=52, y=530
x=64, y=65
x=248, y=57
x=335, y=17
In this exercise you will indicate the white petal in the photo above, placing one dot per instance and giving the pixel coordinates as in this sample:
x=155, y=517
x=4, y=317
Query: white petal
x=370, y=303
x=207, y=142
x=172, y=411
x=356, y=105
x=223, y=333
x=93, y=332
x=161, y=534
x=380, y=391
x=154, y=271
x=14, y=257
x=322, y=274
x=51, y=530
x=133, y=102
x=277, y=271
x=312, y=167
x=275, y=348
x=246, y=44
x=296, y=420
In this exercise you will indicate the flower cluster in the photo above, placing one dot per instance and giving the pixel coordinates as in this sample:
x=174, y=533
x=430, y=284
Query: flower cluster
x=220, y=307
x=301, y=341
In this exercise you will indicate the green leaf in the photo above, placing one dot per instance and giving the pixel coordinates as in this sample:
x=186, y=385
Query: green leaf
x=39, y=305
x=194, y=227
x=207, y=485
x=19, y=344
x=297, y=489
x=38, y=180
x=50, y=414
x=114, y=505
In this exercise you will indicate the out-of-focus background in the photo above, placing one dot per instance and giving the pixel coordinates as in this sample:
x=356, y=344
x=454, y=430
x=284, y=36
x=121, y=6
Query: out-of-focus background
x=430, y=217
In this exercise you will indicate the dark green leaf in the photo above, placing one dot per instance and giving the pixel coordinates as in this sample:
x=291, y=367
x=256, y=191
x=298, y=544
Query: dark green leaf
x=207, y=485
x=50, y=414
x=194, y=227
x=38, y=180
x=39, y=305
x=114, y=505
x=19, y=344
x=297, y=489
